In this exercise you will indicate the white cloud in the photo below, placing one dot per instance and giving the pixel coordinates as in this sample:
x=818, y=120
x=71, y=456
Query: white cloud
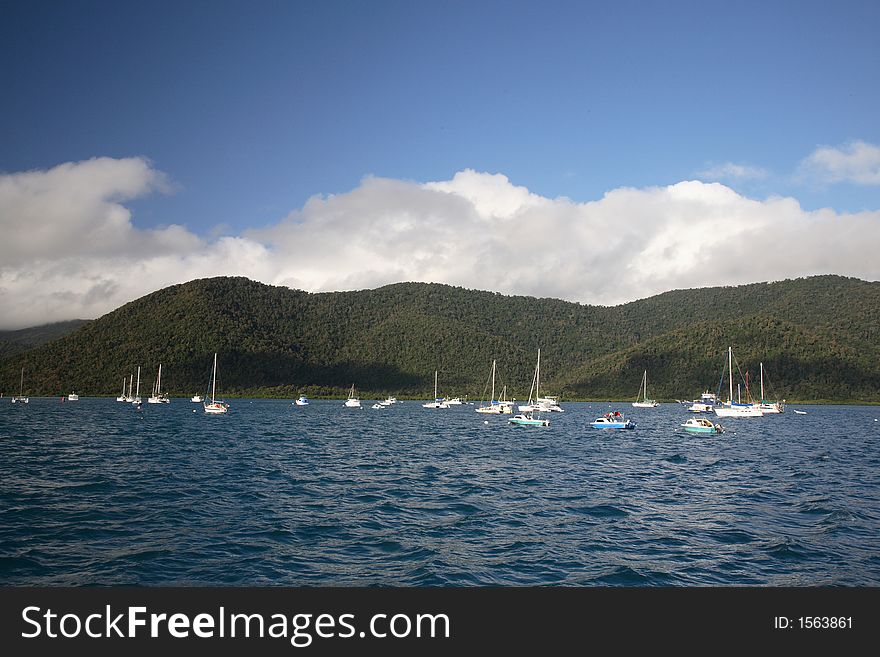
x=857, y=162
x=477, y=230
x=732, y=172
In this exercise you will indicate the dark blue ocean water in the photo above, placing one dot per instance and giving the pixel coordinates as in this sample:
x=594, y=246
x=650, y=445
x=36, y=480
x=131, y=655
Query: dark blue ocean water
x=97, y=492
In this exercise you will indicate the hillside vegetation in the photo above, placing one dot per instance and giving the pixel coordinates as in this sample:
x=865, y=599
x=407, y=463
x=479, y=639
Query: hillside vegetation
x=818, y=337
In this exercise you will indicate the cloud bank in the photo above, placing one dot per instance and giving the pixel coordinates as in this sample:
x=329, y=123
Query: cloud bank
x=71, y=249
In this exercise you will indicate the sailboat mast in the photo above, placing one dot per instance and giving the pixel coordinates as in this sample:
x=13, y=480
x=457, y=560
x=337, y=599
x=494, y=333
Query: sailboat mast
x=762, y=382
x=138, y=388
x=492, y=398
x=214, y=380
x=159, y=381
x=538, y=377
x=435, y=385
x=730, y=367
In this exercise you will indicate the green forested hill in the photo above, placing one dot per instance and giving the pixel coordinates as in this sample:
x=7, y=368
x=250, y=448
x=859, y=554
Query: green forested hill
x=817, y=337
x=15, y=342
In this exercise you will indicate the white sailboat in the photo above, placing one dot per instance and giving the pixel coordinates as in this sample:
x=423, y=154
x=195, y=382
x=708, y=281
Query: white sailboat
x=20, y=398
x=121, y=398
x=215, y=406
x=493, y=407
x=529, y=418
x=73, y=397
x=157, y=397
x=137, y=392
x=643, y=395
x=129, y=398
x=438, y=402
x=765, y=406
x=353, y=401
x=732, y=409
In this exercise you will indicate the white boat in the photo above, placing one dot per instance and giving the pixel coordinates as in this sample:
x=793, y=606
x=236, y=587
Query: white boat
x=129, y=398
x=352, y=401
x=302, y=400
x=532, y=418
x=438, y=401
x=800, y=412
x=768, y=407
x=493, y=407
x=20, y=398
x=505, y=403
x=455, y=401
x=612, y=420
x=389, y=401
x=137, y=392
x=733, y=409
x=215, y=406
x=197, y=399
x=157, y=397
x=706, y=404
x=643, y=395
x=121, y=398
x=73, y=397
x=550, y=405
x=701, y=425
x=378, y=405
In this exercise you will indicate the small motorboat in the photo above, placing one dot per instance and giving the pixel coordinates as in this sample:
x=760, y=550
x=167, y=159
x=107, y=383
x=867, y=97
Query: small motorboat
x=302, y=401
x=528, y=420
x=613, y=420
x=702, y=425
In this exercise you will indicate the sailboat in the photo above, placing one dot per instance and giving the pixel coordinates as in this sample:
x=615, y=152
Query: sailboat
x=732, y=409
x=73, y=396
x=157, y=397
x=129, y=398
x=643, y=395
x=766, y=406
x=492, y=407
x=20, y=398
x=121, y=398
x=352, y=401
x=438, y=402
x=137, y=393
x=215, y=407
x=528, y=419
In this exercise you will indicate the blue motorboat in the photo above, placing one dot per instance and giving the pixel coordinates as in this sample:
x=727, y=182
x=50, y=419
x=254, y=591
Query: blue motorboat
x=613, y=420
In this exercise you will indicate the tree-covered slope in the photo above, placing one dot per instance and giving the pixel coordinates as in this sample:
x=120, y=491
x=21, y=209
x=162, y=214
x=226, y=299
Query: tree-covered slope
x=818, y=339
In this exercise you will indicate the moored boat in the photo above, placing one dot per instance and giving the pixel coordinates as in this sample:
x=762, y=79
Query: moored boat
x=215, y=406
x=353, y=401
x=532, y=418
x=612, y=420
x=702, y=425
x=643, y=395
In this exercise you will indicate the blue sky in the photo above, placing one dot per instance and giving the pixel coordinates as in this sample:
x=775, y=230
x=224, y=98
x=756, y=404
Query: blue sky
x=249, y=109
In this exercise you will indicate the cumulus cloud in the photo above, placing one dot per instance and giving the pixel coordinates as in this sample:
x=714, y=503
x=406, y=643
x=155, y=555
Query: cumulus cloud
x=70, y=250
x=857, y=162
x=732, y=172
x=477, y=230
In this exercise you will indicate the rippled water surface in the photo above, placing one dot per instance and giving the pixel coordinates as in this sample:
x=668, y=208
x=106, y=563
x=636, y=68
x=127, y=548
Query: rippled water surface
x=97, y=492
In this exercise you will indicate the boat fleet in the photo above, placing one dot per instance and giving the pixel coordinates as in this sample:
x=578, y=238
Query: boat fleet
x=532, y=413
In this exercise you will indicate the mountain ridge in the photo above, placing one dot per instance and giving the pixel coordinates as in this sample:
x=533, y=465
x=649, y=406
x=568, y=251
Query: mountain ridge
x=818, y=338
